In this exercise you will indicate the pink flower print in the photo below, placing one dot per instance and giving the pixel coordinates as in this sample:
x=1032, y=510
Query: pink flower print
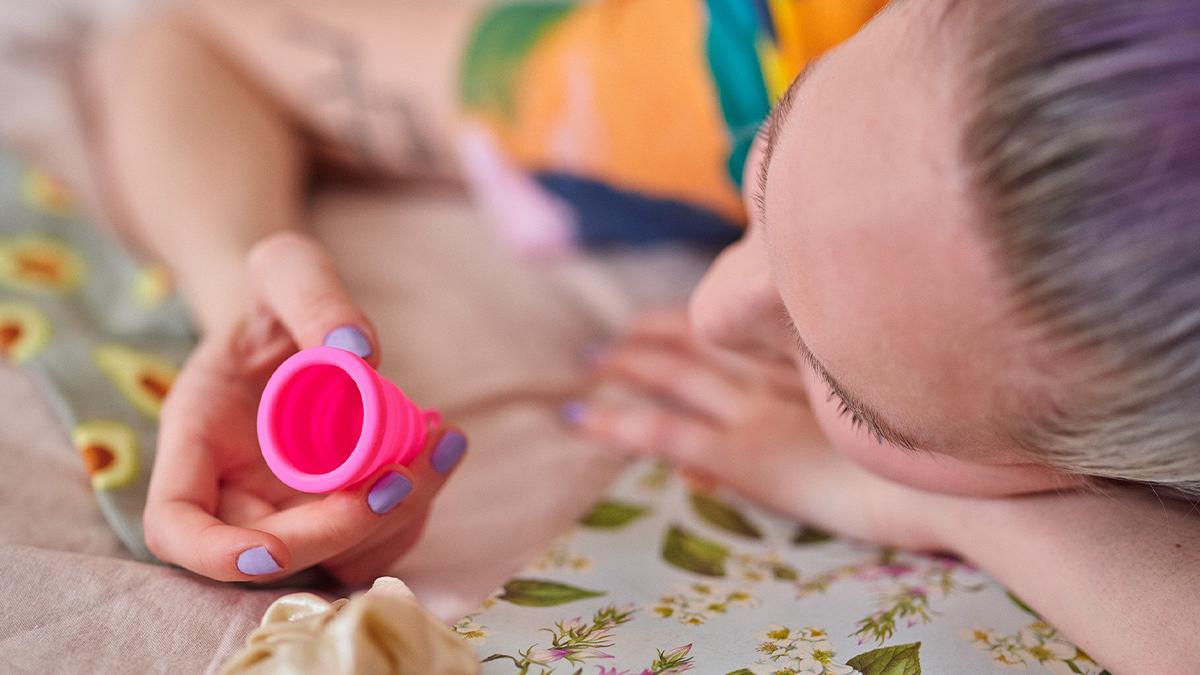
x=544, y=656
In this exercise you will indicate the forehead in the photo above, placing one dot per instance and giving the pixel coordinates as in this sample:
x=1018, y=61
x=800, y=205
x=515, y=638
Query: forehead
x=871, y=234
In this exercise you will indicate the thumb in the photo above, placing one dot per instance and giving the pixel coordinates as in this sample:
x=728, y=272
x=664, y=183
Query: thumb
x=295, y=277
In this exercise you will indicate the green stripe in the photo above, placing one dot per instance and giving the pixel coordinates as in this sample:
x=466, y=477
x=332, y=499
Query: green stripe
x=498, y=47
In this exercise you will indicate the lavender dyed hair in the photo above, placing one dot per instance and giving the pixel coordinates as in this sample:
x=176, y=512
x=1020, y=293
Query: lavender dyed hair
x=1084, y=140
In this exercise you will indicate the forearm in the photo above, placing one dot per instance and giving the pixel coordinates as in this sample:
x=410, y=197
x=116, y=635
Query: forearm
x=1117, y=572
x=373, y=82
x=208, y=117
x=197, y=163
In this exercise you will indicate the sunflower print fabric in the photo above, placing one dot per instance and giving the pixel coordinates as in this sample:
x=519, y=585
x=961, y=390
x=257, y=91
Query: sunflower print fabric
x=99, y=330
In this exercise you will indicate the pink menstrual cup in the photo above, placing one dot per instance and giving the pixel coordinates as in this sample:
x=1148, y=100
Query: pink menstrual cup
x=328, y=421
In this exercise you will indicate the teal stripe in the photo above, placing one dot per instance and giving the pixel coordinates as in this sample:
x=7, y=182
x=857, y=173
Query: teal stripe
x=733, y=28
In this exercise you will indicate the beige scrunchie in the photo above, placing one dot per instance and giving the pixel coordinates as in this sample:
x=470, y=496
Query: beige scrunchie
x=384, y=630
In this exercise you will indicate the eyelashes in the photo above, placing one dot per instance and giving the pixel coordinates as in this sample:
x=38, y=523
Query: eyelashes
x=856, y=420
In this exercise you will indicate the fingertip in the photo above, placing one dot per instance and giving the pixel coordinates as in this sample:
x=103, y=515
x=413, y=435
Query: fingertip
x=254, y=554
x=624, y=429
x=228, y=553
x=353, y=339
x=388, y=489
x=449, y=447
x=574, y=413
x=257, y=561
x=445, y=448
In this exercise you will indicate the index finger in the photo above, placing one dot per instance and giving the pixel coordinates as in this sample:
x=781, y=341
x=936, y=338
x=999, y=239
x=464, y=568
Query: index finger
x=297, y=279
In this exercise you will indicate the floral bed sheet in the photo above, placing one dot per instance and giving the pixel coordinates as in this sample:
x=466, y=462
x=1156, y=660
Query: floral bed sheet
x=669, y=575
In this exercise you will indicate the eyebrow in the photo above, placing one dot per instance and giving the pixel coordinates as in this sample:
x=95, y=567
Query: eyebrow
x=770, y=131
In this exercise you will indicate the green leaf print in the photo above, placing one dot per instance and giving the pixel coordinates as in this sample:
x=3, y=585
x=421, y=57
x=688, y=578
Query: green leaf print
x=897, y=660
x=720, y=514
x=694, y=553
x=575, y=641
x=496, y=53
x=741, y=671
x=611, y=514
x=539, y=593
x=784, y=572
x=807, y=534
x=1021, y=603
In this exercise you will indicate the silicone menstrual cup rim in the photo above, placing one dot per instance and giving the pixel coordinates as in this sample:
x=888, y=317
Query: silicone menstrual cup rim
x=365, y=448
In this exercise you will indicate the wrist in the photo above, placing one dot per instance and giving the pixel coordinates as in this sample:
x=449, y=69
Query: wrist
x=969, y=526
x=849, y=499
x=928, y=521
x=215, y=285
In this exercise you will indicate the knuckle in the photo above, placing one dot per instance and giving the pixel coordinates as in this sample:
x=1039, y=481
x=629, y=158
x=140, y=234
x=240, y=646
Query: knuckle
x=650, y=322
x=602, y=423
x=209, y=565
x=684, y=447
x=659, y=370
x=277, y=248
x=212, y=561
x=688, y=443
x=670, y=366
x=710, y=328
x=329, y=305
x=345, y=520
x=661, y=430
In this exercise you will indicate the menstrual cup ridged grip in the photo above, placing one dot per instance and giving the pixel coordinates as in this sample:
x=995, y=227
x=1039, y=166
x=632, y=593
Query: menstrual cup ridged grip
x=328, y=421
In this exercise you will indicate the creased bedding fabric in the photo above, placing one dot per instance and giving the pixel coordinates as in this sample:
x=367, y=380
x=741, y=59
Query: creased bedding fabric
x=664, y=577
x=383, y=631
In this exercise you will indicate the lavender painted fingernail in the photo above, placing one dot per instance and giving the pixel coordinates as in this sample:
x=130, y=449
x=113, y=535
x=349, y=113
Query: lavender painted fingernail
x=388, y=492
x=573, y=412
x=449, y=450
x=256, y=561
x=349, y=338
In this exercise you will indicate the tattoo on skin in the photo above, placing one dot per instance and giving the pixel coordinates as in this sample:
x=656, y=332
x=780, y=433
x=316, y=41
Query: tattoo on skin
x=369, y=117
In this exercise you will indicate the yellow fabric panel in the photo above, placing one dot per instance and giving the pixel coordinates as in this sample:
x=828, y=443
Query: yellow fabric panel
x=808, y=28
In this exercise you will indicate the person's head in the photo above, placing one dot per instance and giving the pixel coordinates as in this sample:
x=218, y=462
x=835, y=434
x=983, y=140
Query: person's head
x=983, y=219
